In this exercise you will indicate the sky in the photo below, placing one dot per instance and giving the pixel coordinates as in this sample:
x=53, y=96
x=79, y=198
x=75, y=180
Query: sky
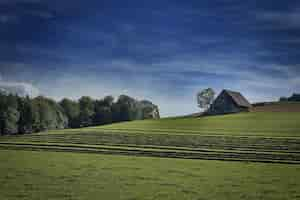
x=161, y=50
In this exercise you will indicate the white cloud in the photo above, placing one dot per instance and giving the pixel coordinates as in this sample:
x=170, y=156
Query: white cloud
x=283, y=20
x=139, y=81
x=20, y=88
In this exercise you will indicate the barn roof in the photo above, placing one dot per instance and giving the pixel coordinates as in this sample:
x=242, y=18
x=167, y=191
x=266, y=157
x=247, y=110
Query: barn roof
x=238, y=98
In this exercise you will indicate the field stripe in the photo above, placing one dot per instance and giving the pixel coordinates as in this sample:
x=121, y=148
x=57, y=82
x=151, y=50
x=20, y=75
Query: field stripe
x=207, y=155
x=285, y=145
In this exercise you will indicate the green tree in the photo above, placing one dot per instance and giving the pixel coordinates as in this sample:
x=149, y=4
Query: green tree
x=115, y=109
x=205, y=98
x=46, y=115
x=128, y=109
x=26, y=119
x=108, y=101
x=87, y=111
x=25, y=115
x=72, y=111
x=61, y=119
x=9, y=114
x=51, y=115
x=103, y=111
x=35, y=115
x=2, y=109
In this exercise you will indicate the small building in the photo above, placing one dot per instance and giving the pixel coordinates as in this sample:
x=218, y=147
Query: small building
x=229, y=102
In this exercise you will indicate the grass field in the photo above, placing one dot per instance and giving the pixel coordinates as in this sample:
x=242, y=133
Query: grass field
x=74, y=163
x=256, y=124
x=265, y=137
x=52, y=175
x=284, y=124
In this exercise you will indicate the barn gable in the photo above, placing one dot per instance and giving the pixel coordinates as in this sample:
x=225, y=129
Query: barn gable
x=229, y=102
x=238, y=99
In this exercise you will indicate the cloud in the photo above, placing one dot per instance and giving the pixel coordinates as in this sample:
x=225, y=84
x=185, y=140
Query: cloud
x=8, y=19
x=278, y=32
x=19, y=88
x=18, y=11
x=165, y=55
x=281, y=19
x=43, y=14
x=99, y=85
x=171, y=84
x=3, y=2
x=168, y=83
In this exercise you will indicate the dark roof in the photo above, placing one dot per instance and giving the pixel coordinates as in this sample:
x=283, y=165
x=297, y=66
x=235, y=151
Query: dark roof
x=238, y=98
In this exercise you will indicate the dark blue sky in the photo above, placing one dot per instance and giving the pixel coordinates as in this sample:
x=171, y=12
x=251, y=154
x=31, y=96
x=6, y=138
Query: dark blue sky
x=164, y=51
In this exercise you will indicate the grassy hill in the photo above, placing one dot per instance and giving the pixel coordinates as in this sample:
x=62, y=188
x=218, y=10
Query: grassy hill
x=258, y=136
x=71, y=163
x=245, y=124
x=284, y=106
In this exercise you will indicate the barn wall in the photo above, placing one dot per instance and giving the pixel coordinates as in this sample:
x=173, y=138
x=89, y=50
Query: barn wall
x=224, y=104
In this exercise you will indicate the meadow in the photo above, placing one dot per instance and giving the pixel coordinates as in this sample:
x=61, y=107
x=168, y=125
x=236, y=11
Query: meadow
x=262, y=136
x=236, y=156
x=266, y=124
x=51, y=175
x=284, y=124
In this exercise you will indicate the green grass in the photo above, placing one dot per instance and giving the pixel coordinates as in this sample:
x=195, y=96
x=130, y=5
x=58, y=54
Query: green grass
x=156, y=151
x=52, y=175
x=268, y=124
x=264, y=137
x=165, y=140
x=255, y=133
x=245, y=124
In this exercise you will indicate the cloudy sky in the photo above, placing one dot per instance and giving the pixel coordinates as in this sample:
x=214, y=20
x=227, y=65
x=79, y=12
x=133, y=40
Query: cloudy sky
x=164, y=50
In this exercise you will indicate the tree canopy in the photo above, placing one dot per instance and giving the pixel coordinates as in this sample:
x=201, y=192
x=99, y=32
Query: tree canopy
x=22, y=115
x=205, y=98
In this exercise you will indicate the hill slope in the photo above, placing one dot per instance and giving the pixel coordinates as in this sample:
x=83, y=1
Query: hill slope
x=265, y=137
x=244, y=124
x=285, y=106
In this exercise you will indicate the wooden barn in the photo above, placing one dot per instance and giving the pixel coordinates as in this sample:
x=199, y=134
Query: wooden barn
x=229, y=102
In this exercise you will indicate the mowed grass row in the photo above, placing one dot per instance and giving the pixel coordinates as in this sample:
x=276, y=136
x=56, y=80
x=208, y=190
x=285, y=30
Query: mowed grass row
x=165, y=145
x=291, y=158
x=268, y=124
x=245, y=131
x=166, y=140
x=51, y=175
x=172, y=133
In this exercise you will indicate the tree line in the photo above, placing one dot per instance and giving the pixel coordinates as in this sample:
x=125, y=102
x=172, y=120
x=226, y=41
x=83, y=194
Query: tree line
x=294, y=97
x=22, y=115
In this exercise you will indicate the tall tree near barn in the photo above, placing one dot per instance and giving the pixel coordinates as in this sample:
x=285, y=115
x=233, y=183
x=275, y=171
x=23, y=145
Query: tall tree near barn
x=205, y=98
